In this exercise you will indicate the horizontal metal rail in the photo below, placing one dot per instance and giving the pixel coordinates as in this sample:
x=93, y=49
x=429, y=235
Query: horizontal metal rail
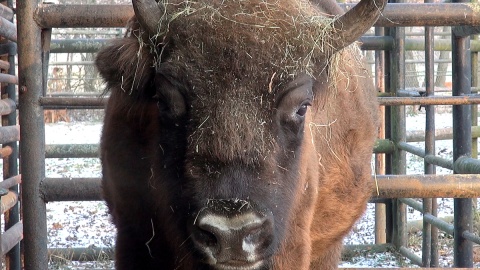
x=6, y=13
x=386, y=186
x=467, y=165
x=443, y=100
x=53, y=16
x=99, y=103
x=440, y=134
x=8, y=30
x=427, y=186
x=73, y=103
x=71, y=189
x=366, y=43
x=11, y=237
x=72, y=151
x=10, y=182
x=9, y=134
x=450, y=14
x=77, y=45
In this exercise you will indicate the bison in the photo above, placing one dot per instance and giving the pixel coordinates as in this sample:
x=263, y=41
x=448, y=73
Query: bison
x=238, y=134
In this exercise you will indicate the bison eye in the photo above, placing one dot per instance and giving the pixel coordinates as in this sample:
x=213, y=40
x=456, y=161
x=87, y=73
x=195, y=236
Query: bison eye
x=302, y=110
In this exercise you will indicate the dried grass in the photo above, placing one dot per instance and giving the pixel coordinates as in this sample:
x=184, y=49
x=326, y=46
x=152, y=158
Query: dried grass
x=294, y=29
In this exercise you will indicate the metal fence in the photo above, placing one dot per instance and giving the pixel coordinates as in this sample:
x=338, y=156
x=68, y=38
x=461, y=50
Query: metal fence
x=35, y=24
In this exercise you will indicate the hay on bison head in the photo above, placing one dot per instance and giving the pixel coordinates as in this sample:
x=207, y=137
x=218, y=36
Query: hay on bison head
x=292, y=36
x=239, y=53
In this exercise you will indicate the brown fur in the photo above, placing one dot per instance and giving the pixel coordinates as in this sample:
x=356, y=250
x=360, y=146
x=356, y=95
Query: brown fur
x=231, y=70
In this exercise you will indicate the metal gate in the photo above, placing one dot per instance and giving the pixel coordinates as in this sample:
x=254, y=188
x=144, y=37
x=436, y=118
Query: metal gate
x=393, y=186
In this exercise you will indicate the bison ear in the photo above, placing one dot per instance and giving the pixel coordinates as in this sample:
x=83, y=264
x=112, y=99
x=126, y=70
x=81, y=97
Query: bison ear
x=171, y=101
x=124, y=65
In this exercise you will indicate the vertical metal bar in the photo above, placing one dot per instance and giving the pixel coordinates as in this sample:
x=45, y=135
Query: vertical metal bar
x=32, y=160
x=13, y=216
x=462, y=145
x=398, y=128
x=389, y=205
x=429, y=141
x=380, y=208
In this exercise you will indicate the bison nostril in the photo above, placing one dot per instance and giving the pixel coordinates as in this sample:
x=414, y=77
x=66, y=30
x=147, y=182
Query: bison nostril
x=206, y=238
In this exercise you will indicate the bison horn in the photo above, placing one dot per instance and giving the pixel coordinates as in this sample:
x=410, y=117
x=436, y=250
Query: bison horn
x=353, y=24
x=148, y=13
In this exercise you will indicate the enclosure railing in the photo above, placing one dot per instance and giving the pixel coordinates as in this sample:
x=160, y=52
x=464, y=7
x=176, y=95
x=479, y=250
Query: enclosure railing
x=35, y=22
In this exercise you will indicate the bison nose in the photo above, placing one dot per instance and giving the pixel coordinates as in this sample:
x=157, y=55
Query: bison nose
x=246, y=237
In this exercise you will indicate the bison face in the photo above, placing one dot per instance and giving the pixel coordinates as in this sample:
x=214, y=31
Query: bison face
x=240, y=167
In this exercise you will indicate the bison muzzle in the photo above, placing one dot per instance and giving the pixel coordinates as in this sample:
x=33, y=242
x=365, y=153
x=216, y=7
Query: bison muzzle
x=238, y=134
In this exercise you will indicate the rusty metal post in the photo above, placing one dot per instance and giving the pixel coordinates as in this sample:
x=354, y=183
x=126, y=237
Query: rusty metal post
x=398, y=130
x=33, y=136
x=462, y=144
x=380, y=208
x=428, y=241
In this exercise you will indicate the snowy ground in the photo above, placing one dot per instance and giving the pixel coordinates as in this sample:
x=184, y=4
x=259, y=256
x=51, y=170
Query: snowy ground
x=86, y=224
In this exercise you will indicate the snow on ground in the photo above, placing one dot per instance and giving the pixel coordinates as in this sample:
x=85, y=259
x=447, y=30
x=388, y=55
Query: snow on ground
x=86, y=224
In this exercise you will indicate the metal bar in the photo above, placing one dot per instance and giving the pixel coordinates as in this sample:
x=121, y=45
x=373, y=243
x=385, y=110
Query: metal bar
x=11, y=237
x=380, y=208
x=53, y=16
x=61, y=103
x=431, y=219
x=427, y=239
x=462, y=144
x=431, y=14
x=471, y=237
x=10, y=182
x=366, y=43
x=398, y=131
x=77, y=45
x=7, y=78
x=394, y=15
x=71, y=189
x=414, y=258
x=6, y=13
x=33, y=136
x=414, y=44
x=72, y=151
x=427, y=186
x=8, y=29
x=430, y=159
x=440, y=134
x=389, y=186
x=9, y=134
x=438, y=223
x=466, y=165
x=383, y=146
x=438, y=100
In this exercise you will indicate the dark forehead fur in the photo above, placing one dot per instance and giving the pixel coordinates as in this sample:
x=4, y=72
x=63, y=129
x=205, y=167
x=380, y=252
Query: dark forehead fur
x=236, y=55
x=233, y=57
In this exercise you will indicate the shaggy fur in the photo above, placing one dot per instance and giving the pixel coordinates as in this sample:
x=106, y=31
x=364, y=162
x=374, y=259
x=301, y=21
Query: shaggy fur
x=210, y=108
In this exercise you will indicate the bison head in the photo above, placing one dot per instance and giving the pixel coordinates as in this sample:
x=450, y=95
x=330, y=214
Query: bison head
x=208, y=140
